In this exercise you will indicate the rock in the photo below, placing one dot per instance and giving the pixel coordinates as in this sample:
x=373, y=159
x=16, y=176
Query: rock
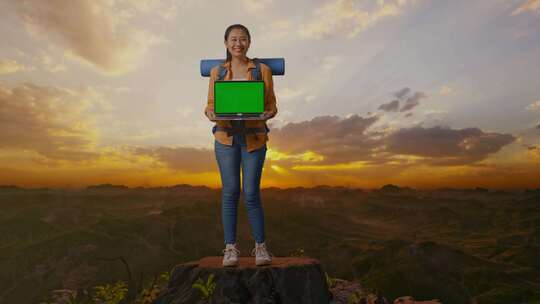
x=411, y=300
x=63, y=296
x=297, y=280
x=343, y=290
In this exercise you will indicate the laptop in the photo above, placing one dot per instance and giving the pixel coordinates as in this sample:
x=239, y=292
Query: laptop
x=239, y=99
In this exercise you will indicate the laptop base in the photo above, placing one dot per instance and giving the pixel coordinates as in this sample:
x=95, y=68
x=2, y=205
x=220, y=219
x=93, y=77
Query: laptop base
x=236, y=117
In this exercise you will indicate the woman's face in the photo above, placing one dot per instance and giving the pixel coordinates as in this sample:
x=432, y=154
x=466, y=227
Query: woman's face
x=237, y=43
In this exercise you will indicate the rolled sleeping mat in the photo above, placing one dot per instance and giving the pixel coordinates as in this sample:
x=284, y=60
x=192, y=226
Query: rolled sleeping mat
x=277, y=65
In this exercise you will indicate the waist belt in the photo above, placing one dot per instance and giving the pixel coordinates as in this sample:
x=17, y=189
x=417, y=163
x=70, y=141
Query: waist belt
x=238, y=130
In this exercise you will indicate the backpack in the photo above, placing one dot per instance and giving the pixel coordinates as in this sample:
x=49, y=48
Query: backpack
x=256, y=75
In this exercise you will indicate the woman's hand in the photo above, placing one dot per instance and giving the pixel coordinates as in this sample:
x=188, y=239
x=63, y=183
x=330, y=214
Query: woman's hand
x=267, y=115
x=211, y=115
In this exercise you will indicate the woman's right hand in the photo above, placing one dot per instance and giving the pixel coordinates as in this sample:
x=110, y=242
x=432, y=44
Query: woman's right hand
x=211, y=115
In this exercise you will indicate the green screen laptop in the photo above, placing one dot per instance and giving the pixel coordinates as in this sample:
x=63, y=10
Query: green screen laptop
x=238, y=99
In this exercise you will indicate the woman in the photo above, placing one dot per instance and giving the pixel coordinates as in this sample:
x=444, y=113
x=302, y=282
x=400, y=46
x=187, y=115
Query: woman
x=247, y=150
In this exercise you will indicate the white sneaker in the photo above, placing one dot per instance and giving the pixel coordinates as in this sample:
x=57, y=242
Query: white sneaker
x=230, y=257
x=262, y=255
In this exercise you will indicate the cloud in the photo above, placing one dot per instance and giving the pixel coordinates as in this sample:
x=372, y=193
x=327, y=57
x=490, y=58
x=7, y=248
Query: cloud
x=401, y=93
x=96, y=32
x=54, y=122
x=166, y=9
x=343, y=17
x=433, y=118
x=529, y=147
x=333, y=140
x=255, y=6
x=412, y=101
x=446, y=91
x=337, y=139
x=445, y=146
x=288, y=94
x=276, y=31
x=49, y=64
x=187, y=159
x=527, y=6
x=534, y=106
x=391, y=106
x=11, y=66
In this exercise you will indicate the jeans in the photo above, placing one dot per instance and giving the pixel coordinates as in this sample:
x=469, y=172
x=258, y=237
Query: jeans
x=229, y=159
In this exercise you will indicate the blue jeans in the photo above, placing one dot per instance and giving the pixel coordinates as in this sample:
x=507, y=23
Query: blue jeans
x=229, y=159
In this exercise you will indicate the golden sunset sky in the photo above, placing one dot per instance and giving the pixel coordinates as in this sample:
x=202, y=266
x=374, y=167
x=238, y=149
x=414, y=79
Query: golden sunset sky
x=422, y=93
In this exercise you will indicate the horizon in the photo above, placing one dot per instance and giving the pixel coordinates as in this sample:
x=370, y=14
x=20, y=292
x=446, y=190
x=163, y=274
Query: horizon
x=417, y=93
x=3, y=186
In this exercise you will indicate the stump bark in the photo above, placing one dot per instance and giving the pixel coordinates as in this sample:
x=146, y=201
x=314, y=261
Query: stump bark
x=294, y=280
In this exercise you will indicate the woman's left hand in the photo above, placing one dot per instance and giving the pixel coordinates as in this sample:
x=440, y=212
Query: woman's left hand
x=267, y=115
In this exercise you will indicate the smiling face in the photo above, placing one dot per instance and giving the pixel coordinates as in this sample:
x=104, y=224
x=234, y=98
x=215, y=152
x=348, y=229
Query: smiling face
x=237, y=43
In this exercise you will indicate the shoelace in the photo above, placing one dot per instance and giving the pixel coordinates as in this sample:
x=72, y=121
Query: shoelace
x=228, y=251
x=262, y=251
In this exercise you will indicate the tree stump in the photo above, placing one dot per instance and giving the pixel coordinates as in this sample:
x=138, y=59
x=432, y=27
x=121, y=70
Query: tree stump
x=288, y=280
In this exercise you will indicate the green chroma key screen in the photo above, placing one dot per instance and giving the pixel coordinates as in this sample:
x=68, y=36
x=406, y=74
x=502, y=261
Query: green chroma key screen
x=231, y=97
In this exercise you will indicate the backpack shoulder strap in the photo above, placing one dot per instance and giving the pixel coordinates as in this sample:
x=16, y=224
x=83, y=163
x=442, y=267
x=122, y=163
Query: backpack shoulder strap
x=256, y=72
x=221, y=71
x=257, y=75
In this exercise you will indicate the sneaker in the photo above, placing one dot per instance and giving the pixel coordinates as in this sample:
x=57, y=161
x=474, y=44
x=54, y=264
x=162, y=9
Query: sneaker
x=230, y=255
x=262, y=255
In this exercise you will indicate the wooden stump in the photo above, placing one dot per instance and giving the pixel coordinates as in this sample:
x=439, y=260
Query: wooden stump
x=294, y=280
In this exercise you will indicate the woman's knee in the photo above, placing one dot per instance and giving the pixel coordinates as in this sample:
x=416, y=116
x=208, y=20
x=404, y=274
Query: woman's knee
x=231, y=192
x=252, y=196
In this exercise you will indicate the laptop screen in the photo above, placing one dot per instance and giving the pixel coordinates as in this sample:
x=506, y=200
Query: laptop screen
x=233, y=97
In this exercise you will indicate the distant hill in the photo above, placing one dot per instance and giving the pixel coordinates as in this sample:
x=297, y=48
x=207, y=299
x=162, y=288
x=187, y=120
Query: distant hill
x=453, y=245
x=107, y=187
x=6, y=188
x=428, y=268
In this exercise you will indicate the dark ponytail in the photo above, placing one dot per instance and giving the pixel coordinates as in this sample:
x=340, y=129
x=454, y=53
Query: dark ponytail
x=227, y=32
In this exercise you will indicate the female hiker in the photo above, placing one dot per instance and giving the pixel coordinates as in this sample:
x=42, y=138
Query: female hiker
x=241, y=143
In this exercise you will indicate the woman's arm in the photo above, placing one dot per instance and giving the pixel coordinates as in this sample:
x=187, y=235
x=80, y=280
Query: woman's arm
x=209, y=109
x=270, y=97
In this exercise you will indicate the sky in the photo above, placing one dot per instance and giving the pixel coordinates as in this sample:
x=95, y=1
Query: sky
x=419, y=93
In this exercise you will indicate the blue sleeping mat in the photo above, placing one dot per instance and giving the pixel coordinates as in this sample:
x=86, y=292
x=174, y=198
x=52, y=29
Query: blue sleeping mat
x=276, y=64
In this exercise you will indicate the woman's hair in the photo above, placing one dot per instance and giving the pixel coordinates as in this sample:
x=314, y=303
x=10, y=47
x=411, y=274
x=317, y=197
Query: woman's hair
x=228, y=31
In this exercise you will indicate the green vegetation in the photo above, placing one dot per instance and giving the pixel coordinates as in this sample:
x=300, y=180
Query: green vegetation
x=298, y=252
x=329, y=281
x=150, y=293
x=356, y=297
x=110, y=294
x=115, y=293
x=206, y=288
x=452, y=245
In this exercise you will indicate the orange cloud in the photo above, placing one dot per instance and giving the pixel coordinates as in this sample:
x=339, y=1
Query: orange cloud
x=45, y=129
x=193, y=160
x=344, y=141
x=343, y=16
x=527, y=6
x=337, y=140
x=10, y=66
x=51, y=121
x=445, y=146
x=97, y=32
